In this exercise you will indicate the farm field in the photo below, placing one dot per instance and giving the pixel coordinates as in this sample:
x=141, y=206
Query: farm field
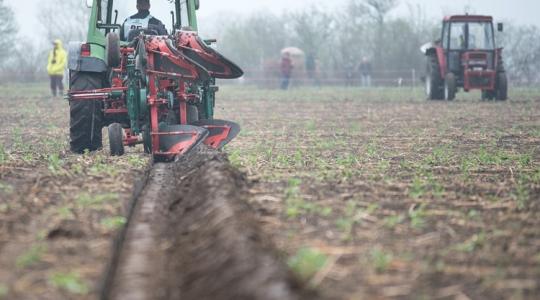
x=367, y=194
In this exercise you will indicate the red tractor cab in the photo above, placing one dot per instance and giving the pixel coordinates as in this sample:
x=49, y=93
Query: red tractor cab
x=465, y=57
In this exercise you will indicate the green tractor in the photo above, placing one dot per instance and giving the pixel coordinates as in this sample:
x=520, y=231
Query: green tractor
x=148, y=84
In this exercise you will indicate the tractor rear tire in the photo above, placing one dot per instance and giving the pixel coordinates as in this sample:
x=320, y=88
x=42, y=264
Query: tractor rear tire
x=116, y=139
x=86, y=116
x=434, y=81
x=450, y=87
x=112, y=50
x=502, y=87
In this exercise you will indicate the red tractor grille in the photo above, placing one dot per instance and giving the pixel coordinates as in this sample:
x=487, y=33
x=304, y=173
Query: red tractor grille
x=480, y=81
x=478, y=55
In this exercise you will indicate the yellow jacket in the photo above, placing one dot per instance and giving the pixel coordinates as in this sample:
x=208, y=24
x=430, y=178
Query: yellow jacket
x=57, y=60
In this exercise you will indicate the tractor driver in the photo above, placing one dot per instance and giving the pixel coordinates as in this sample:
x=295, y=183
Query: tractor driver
x=142, y=20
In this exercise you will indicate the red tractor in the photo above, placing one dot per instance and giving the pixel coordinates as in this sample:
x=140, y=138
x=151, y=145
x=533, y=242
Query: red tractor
x=465, y=57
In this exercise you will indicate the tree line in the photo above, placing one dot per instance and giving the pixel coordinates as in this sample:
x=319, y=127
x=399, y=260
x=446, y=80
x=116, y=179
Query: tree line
x=338, y=40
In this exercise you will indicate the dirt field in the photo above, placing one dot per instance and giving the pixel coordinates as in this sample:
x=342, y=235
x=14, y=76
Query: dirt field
x=367, y=194
x=379, y=194
x=59, y=212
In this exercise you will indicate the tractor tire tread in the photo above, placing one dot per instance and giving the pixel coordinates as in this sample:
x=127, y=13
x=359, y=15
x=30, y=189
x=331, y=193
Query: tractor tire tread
x=86, y=117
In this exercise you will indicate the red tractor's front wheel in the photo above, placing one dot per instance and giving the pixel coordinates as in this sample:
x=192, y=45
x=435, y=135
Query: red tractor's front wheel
x=450, y=87
x=502, y=86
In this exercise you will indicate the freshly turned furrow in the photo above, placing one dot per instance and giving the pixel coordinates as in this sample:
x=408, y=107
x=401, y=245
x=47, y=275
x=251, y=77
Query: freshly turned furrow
x=192, y=236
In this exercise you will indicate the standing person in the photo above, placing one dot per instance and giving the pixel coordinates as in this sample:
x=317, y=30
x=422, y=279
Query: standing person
x=56, y=65
x=286, y=70
x=365, y=72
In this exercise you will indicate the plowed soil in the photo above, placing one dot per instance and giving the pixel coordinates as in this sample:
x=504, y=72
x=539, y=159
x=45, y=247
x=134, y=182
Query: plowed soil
x=192, y=236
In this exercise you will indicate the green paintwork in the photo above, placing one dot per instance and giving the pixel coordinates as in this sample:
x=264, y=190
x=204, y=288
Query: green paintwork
x=192, y=15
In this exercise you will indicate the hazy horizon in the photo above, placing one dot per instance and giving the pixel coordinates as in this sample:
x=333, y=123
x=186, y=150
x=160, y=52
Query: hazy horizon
x=502, y=10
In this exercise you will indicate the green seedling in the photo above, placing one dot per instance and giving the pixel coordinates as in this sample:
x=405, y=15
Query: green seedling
x=522, y=195
x=30, y=257
x=311, y=125
x=474, y=243
x=113, y=223
x=6, y=188
x=137, y=161
x=380, y=260
x=417, y=189
x=307, y=262
x=372, y=150
x=55, y=163
x=87, y=200
x=418, y=216
x=4, y=291
x=392, y=221
x=65, y=213
x=3, y=155
x=297, y=206
x=70, y=282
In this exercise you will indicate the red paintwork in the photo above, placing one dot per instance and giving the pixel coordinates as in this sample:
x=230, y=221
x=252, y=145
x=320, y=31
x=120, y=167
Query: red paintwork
x=215, y=140
x=468, y=18
x=130, y=140
x=442, y=60
x=190, y=41
x=482, y=62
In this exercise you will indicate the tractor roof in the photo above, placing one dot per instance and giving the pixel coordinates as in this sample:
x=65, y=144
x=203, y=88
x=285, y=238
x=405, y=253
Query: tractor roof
x=468, y=18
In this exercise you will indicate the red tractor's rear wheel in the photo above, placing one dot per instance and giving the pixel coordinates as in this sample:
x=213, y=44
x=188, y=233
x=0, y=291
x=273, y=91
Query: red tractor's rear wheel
x=434, y=82
x=86, y=116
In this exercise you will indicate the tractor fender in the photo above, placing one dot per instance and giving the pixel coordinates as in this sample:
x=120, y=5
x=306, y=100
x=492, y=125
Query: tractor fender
x=78, y=63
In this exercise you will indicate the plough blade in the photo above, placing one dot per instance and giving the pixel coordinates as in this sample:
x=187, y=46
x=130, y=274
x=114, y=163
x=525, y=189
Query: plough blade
x=176, y=140
x=220, y=132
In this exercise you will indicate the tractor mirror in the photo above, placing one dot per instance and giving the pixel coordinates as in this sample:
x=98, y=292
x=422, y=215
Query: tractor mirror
x=197, y=4
x=500, y=27
x=89, y=3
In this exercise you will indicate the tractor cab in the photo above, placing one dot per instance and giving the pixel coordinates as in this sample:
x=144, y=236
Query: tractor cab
x=465, y=57
x=110, y=15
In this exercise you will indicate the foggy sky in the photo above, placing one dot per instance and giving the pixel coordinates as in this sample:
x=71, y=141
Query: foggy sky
x=518, y=11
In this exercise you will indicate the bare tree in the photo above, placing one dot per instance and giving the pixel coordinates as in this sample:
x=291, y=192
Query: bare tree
x=312, y=28
x=379, y=9
x=65, y=20
x=522, y=53
x=8, y=30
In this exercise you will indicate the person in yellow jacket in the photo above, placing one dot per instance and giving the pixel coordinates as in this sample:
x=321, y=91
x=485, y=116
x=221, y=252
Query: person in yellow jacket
x=56, y=66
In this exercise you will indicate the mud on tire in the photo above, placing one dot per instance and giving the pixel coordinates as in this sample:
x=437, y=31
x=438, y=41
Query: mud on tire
x=86, y=117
